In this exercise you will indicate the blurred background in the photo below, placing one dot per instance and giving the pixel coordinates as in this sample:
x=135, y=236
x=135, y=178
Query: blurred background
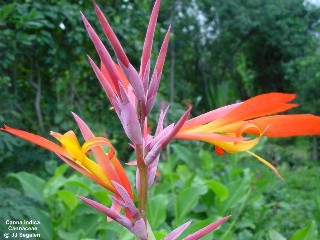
x=220, y=52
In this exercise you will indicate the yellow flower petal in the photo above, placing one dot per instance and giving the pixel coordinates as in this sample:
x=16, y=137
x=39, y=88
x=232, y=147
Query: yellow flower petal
x=70, y=142
x=96, y=170
x=94, y=142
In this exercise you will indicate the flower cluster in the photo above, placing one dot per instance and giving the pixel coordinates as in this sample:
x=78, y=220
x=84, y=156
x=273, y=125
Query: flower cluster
x=132, y=95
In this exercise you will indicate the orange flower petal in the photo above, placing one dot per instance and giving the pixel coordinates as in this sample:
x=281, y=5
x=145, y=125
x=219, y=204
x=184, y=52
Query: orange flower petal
x=258, y=106
x=122, y=174
x=289, y=125
x=209, y=116
x=38, y=140
x=207, y=137
x=102, y=158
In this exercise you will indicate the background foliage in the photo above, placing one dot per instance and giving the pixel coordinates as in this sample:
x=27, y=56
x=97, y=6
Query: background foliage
x=220, y=52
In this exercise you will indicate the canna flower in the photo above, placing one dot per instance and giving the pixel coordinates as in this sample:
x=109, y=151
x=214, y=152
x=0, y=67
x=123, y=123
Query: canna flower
x=106, y=170
x=227, y=126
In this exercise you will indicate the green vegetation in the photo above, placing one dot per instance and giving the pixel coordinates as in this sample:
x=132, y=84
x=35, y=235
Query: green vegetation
x=220, y=52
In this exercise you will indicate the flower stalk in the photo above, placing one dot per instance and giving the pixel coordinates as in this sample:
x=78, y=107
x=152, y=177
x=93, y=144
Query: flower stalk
x=142, y=181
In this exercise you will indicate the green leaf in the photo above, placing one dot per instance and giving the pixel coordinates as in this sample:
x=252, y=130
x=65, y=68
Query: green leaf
x=45, y=226
x=310, y=232
x=219, y=189
x=90, y=223
x=206, y=160
x=237, y=192
x=66, y=235
x=32, y=185
x=157, y=206
x=61, y=169
x=184, y=154
x=274, y=235
x=53, y=185
x=68, y=198
x=188, y=199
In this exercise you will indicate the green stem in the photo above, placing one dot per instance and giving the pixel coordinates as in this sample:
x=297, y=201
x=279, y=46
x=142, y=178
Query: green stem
x=143, y=188
x=143, y=168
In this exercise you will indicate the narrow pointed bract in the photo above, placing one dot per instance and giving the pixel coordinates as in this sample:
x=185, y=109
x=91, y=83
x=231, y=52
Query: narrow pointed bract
x=206, y=230
x=111, y=37
x=146, y=52
x=156, y=76
x=177, y=232
x=177, y=127
x=103, y=53
x=124, y=221
x=113, y=98
x=130, y=123
x=135, y=81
